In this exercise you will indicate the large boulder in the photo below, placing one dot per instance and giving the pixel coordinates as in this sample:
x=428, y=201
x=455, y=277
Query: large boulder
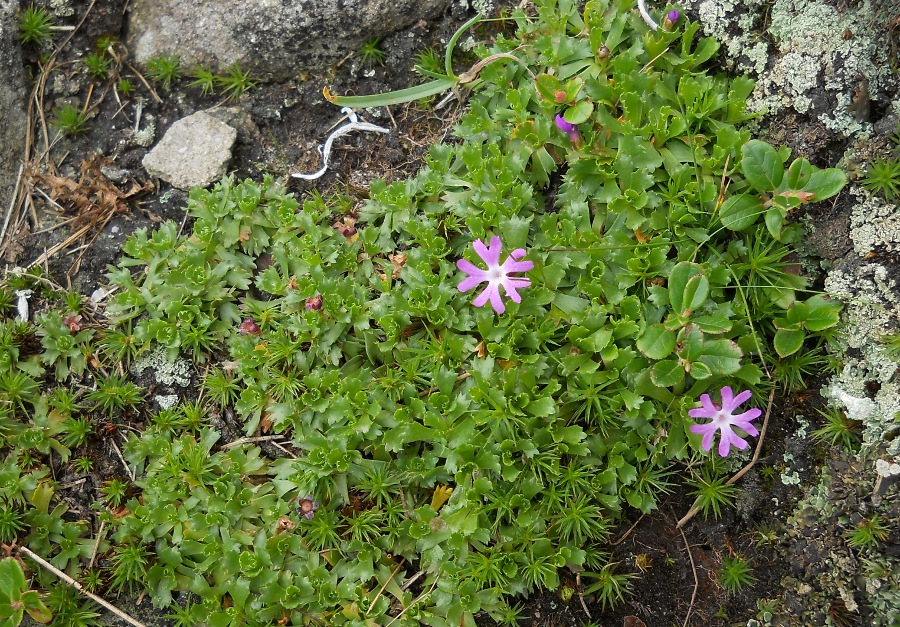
x=275, y=38
x=12, y=101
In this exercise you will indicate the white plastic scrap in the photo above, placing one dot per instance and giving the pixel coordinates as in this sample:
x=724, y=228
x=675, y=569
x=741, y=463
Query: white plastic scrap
x=646, y=15
x=22, y=304
x=353, y=125
x=99, y=294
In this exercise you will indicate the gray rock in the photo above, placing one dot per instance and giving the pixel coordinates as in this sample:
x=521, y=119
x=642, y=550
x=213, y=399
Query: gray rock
x=274, y=38
x=12, y=102
x=194, y=152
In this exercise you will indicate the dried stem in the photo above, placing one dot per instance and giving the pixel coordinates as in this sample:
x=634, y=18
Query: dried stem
x=93, y=597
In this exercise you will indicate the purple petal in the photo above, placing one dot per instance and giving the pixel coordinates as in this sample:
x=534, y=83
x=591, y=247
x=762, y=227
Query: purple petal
x=497, y=302
x=708, y=430
x=673, y=15
x=511, y=265
x=730, y=438
x=701, y=412
x=486, y=294
x=727, y=399
x=563, y=125
x=470, y=283
x=740, y=398
x=490, y=255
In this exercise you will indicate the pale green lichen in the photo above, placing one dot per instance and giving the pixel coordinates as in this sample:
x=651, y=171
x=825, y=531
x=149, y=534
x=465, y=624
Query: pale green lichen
x=145, y=136
x=871, y=311
x=166, y=401
x=165, y=371
x=821, y=53
x=874, y=224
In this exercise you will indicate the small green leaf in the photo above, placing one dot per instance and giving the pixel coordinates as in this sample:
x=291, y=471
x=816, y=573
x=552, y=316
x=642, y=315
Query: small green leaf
x=548, y=86
x=11, y=576
x=579, y=113
x=788, y=342
x=723, y=357
x=695, y=292
x=666, y=373
x=36, y=608
x=822, y=314
x=826, y=183
x=739, y=213
x=775, y=221
x=762, y=166
x=656, y=342
x=798, y=174
x=681, y=274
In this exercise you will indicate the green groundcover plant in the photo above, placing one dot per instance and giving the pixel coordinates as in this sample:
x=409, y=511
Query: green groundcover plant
x=482, y=369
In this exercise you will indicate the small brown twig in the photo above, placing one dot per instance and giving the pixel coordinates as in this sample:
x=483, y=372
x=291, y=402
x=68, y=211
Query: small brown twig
x=581, y=596
x=93, y=597
x=687, y=547
x=97, y=544
x=381, y=591
x=122, y=459
x=261, y=438
x=628, y=532
x=743, y=471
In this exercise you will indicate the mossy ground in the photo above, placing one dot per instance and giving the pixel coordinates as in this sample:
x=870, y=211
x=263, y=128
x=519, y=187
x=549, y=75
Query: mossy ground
x=794, y=569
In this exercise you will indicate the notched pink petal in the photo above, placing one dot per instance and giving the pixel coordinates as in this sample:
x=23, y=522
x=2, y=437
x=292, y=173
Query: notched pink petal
x=470, y=283
x=492, y=255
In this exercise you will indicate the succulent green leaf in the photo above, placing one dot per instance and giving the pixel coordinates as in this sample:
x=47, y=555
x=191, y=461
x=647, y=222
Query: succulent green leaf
x=580, y=112
x=656, y=342
x=762, y=166
x=739, y=213
x=787, y=341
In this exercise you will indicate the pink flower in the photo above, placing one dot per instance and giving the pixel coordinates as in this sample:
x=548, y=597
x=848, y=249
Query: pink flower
x=496, y=276
x=724, y=420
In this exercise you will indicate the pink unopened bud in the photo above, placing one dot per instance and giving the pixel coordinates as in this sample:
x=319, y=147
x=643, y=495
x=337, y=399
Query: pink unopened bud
x=602, y=53
x=568, y=128
x=671, y=19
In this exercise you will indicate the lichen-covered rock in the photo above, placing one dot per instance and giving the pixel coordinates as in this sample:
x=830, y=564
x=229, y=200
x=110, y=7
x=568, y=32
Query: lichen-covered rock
x=12, y=101
x=826, y=61
x=194, y=152
x=271, y=37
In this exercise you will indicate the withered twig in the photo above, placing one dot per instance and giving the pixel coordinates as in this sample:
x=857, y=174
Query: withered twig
x=93, y=597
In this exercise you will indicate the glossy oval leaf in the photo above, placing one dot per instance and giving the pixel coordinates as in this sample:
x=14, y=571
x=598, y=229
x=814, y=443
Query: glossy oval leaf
x=825, y=183
x=762, y=166
x=695, y=292
x=657, y=342
x=787, y=342
x=678, y=281
x=666, y=373
x=723, y=357
x=580, y=112
x=740, y=212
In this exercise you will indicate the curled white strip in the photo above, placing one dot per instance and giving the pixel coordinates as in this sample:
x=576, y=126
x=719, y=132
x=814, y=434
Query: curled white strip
x=325, y=150
x=22, y=304
x=646, y=15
